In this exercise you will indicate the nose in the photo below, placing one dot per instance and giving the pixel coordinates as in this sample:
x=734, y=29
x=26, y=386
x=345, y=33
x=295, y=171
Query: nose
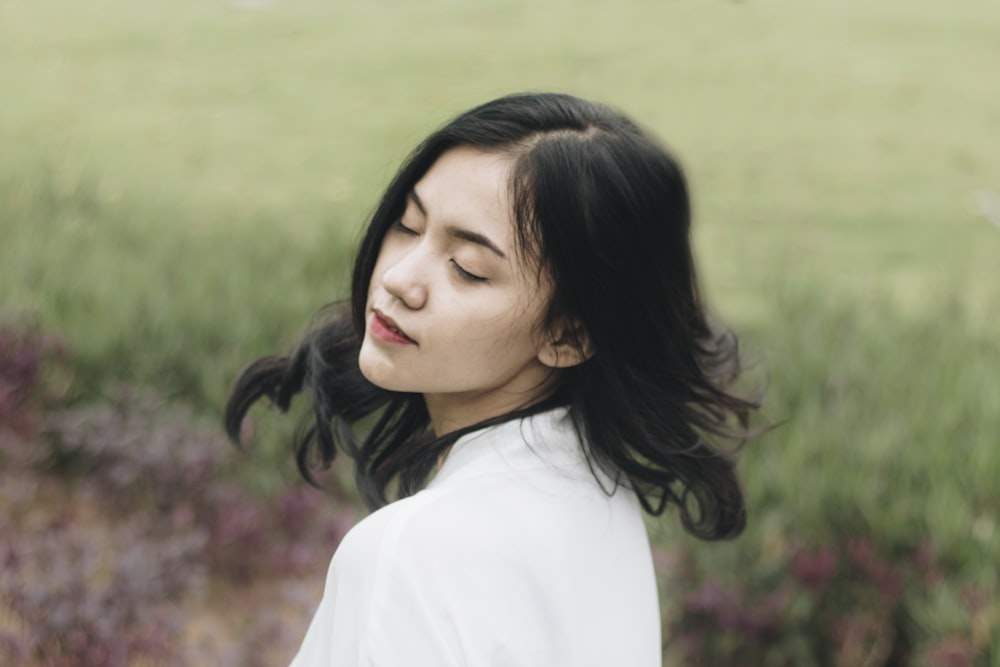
x=404, y=279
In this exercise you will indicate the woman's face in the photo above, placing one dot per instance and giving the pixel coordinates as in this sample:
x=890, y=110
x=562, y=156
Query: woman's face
x=453, y=310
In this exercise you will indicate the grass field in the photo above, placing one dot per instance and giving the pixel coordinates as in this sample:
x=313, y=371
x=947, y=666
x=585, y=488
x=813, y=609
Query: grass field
x=156, y=162
x=181, y=184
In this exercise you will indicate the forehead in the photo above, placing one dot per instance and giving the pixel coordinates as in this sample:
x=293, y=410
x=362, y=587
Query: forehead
x=472, y=189
x=469, y=187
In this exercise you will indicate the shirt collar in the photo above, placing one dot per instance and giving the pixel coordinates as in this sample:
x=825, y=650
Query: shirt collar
x=538, y=441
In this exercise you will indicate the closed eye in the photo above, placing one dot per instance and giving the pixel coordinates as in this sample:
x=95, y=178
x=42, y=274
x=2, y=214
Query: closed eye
x=400, y=227
x=467, y=276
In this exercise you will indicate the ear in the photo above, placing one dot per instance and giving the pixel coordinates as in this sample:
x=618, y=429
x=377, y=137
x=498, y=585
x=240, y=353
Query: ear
x=570, y=348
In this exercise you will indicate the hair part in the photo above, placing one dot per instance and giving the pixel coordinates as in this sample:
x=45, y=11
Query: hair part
x=603, y=211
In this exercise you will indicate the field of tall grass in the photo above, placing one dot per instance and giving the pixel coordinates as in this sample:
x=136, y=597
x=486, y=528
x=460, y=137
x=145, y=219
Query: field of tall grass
x=181, y=186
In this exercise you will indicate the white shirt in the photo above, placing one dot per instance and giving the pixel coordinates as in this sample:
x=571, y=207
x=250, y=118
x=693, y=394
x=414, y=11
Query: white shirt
x=513, y=556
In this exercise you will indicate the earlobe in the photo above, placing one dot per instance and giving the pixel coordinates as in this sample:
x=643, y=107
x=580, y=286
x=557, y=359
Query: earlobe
x=571, y=349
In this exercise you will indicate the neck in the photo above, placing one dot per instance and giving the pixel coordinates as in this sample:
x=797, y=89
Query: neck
x=451, y=412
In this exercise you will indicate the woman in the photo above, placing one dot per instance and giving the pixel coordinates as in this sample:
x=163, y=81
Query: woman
x=525, y=322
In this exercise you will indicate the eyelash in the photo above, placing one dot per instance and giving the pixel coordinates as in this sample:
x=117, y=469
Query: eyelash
x=403, y=228
x=461, y=272
x=465, y=275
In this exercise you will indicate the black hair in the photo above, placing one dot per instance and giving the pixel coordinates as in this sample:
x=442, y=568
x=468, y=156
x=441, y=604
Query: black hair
x=605, y=210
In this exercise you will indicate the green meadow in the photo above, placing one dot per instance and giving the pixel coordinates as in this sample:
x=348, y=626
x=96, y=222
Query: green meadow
x=181, y=186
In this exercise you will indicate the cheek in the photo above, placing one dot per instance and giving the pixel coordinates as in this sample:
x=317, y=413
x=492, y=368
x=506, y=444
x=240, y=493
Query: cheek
x=393, y=246
x=509, y=337
x=379, y=268
x=382, y=262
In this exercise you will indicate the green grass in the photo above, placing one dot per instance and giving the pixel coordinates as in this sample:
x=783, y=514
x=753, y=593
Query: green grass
x=890, y=434
x=181, y=185
x=156, y=160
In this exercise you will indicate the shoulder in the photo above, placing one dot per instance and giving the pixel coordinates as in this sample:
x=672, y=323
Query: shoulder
x=445, y=551
x=439, y=528
x=435, y=528
x=442, y=584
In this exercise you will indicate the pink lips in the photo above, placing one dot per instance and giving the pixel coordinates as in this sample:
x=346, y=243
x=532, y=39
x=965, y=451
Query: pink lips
x=384, y=329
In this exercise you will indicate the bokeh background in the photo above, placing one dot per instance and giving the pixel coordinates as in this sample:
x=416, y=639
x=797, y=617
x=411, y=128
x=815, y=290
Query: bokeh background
x=181, y=186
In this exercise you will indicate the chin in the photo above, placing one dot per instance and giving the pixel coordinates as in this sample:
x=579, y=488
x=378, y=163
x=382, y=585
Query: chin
x=378, y=370
x=369, y=367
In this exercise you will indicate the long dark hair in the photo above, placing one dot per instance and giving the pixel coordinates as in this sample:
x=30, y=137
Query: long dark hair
x=605, y=211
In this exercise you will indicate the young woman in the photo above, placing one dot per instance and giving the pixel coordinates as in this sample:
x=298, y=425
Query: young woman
x=525, y=324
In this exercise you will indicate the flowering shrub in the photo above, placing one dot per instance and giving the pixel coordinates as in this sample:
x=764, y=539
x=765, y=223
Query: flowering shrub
x=874, y=538
x=87, y=594
x=118, y=520
x=844, y=605
x=140, y=450
x=22, y=352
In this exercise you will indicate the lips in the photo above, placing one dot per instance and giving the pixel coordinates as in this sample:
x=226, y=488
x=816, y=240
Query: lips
x=385, y=329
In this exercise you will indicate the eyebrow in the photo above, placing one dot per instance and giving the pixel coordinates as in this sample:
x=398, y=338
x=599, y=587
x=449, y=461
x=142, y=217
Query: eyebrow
x=459, y=232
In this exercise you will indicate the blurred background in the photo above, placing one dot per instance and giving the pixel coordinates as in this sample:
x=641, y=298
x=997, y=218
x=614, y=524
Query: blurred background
x=181, y=187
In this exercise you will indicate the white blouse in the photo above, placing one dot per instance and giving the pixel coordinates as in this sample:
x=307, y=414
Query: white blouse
x=513, y=556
